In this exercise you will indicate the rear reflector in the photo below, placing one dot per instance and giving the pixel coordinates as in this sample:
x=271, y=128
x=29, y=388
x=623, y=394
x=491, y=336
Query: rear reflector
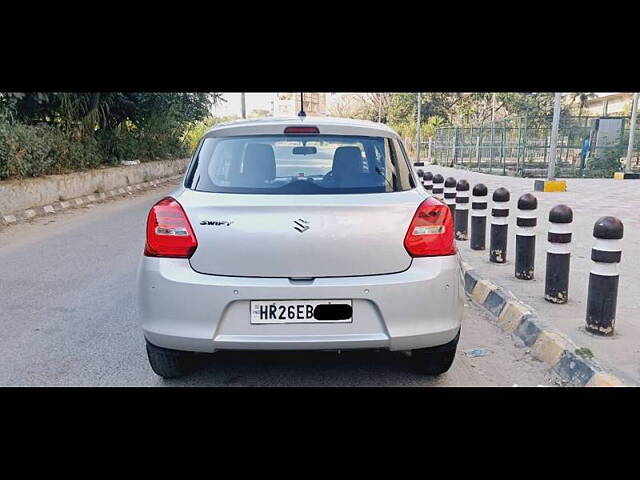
x=169, y=233
x=431, y=231
x=302, y=130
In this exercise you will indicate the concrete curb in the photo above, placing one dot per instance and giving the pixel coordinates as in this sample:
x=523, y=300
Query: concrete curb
x=80, y=201
x=546, y=343
x=20, y=194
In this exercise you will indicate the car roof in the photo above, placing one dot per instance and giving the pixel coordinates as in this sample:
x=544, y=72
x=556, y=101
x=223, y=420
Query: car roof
x=326, y=125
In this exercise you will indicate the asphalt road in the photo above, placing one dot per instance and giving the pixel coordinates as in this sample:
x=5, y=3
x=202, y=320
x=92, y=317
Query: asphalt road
x=68, y=317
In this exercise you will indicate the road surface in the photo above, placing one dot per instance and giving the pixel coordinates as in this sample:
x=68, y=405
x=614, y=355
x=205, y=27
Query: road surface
x=68, y=316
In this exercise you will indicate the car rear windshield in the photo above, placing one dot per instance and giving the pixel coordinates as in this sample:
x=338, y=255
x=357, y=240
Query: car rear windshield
x=295, y=164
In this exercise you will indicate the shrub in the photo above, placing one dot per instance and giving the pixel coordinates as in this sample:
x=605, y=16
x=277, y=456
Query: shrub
x=26, y=150
x=32, y=150
x=81, y=153
x=606, y=164
x=158, y=138
x=44, y=133
x=117, y=145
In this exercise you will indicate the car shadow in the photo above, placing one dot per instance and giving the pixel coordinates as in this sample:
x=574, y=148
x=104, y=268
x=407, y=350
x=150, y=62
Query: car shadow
x=287, y=369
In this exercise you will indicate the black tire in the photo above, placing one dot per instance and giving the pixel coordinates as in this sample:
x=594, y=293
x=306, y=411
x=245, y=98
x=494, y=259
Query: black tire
x=435, y=360
x=169, y=363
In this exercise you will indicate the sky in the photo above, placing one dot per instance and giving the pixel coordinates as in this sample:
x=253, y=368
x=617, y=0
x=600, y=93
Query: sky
x=253, y=101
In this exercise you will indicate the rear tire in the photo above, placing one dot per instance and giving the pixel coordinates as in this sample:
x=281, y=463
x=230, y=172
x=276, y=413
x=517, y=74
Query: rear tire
x=169, y=363
x=435, y=360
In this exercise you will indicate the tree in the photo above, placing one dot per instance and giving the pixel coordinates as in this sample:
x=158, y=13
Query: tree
x=348, y=106
x=364, y=106
x=106, y=110
x=121, y=125
x=476, y=108
x=457, y=108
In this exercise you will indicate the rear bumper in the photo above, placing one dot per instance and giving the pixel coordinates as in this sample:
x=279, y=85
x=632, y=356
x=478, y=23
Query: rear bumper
x=185, y=310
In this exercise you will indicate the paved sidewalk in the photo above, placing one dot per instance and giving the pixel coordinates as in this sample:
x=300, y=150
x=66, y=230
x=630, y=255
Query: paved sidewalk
x=589, y=199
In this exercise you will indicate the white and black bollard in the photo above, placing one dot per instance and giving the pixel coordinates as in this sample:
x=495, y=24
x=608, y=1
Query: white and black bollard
x=602, y=297
x=438, y=186
x=556, y=285
x=526, y=236
x=450, y=194
x=479, y=217
x=427, y=181
x=499, y=226
x=420, y=174
x=462, y=210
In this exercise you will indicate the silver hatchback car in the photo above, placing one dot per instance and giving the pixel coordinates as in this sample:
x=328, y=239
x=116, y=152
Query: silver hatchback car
x=300, y=234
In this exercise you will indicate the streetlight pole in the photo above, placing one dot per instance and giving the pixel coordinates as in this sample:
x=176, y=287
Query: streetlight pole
x=524, y=138
x=632, y=131
x=379, y=107
x=551, y=173
x=418, y=128
x=493, y=117
x=244, y=105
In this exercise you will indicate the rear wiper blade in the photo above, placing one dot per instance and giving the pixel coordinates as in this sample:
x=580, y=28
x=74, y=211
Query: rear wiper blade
x=300, y=183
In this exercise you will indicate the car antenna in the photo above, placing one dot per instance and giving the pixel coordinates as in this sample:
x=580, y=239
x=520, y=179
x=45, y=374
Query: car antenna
x=301, y=112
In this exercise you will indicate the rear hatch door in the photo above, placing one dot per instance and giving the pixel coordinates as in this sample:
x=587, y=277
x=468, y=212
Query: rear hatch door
x=300, y=236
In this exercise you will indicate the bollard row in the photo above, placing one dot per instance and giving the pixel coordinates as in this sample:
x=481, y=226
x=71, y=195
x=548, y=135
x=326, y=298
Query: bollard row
x=605, y=254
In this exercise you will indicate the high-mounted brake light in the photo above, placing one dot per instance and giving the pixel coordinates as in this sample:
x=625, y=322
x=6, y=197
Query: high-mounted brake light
x=302, y=130
x=431, y=231
x=169, y=233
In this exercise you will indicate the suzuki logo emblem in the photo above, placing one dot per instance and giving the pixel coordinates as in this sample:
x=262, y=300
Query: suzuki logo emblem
x=301, y=225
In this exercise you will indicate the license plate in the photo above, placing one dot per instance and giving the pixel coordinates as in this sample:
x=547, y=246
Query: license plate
x=301, y=311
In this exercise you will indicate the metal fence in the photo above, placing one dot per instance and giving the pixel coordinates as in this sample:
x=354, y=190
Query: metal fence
x=520, y=146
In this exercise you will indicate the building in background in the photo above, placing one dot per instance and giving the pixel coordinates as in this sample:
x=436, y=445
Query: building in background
x=609, y=104
x=288, y=104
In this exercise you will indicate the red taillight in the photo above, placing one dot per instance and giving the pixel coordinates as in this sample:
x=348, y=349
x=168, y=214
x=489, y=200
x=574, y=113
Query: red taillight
x=431, y=231
x=169, y=233
x=302, y=130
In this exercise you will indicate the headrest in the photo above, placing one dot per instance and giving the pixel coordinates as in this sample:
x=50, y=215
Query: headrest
x=347, y=160
x=259, y=163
